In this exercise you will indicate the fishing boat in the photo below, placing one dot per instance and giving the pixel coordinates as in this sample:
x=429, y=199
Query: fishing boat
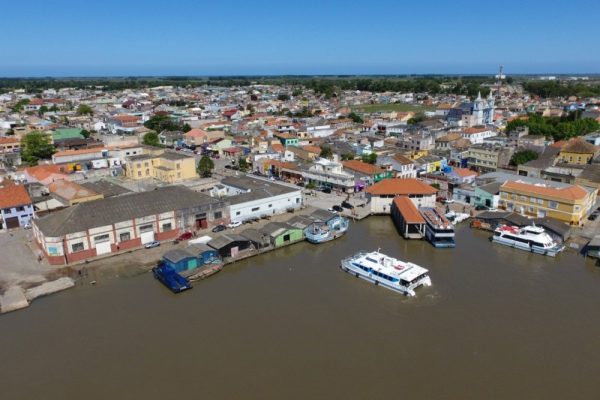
x=400, y=276
x=170, y=278
x=530, y=238
x=324, y=231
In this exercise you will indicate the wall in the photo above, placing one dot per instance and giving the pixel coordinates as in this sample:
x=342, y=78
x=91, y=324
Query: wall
x=382, y=205
x=279, y=204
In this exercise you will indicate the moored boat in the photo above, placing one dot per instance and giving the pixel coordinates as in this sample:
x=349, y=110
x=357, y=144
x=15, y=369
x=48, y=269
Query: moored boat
x=401, y=276
x=324, y=231
x=170, y=278
x=530, y=238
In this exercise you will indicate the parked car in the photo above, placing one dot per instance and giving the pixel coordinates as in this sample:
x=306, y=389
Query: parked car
x=448, y=201
x=234, y=224
x=347, y=205
x=154, y=243
x=185, y=236
x=27, y=225
x=337, y=208
x=219, y=228
x=593, y=217
x=481, y=207
x=326, y=190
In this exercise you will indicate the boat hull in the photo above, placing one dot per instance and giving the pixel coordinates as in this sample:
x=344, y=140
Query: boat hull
x=552, y=251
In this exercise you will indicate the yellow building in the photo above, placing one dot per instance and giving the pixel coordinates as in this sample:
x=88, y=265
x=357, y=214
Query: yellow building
x=567, y=203
x=577, y=151
x=168, y=167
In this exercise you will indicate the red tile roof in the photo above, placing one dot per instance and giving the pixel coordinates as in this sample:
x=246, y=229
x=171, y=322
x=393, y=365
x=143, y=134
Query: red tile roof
x=409, y=212
x=401, y=187
x=463, y=172
x=362, y=167
x=573, y=192
x=14, y=196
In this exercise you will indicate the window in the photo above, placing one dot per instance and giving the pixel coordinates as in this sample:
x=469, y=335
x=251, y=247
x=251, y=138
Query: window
x=178, y=166
x=146, y=164
x=218, y=215
x=146, y=228
x=256, y=209
x=553, y=204
x=101, y=238
x=147, y=172
x=270, y=205
x=139, y=173
x=75, y=247
x=237, y=213
x=167, y=227
x=298, y=200
x=523, y=198
x=20, y=208
x=125, y=236
x=532, y=200
x=540, y=201
x=531, y=209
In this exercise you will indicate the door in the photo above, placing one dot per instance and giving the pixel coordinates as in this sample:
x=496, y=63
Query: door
x=103, y=247
x=147, y=237
x=12, y=222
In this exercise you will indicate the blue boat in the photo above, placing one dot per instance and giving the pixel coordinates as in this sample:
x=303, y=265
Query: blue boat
x=170, y=278
x=327, y=226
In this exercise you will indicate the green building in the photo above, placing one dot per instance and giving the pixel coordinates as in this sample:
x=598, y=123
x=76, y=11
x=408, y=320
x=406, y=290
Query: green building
x=281, y=234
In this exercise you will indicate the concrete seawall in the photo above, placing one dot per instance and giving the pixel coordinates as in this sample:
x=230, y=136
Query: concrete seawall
x=16, y=298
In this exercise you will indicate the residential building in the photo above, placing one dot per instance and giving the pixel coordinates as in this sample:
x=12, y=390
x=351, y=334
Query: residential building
x=577, y=151
x=324, y=172
x=567, y=203
x=70, y=193
x=119, y=223
x=488, y=158
x=403, y=167
x=367, y=173
x=168, y=167
x=16, y=207
x=477, y=134
x=382, y=194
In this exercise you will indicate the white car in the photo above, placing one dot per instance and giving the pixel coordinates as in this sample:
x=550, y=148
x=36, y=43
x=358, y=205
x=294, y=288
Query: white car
x=234, y=224
x=448, y=201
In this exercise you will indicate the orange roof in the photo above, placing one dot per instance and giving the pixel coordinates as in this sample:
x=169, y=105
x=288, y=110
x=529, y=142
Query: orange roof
x=41, y=172
x=281, y=164
x=401, y=186
x=277, y=147
x=312, y=149
x=13, y=196
x=196, y=133
x=409, y=212
x=572, y=192
x=362, y=167
x=9, y=140
x=463, y=172
x=70, y=190
x=559, y=144
x=475, y=129
x=126, y=118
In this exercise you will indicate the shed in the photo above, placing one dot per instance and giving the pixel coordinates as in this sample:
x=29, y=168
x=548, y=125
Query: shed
x=204, y=253
x=180, y=260
x=228, y=245
x=281, y=233
x=259, y=239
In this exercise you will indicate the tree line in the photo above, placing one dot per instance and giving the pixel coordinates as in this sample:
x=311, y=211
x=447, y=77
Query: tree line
x=558, y=128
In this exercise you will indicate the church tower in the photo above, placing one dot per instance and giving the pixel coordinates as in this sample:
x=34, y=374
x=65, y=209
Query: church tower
x=488, y=113
x=478, y=110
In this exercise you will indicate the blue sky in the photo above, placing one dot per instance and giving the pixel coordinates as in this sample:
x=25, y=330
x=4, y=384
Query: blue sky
x=182, y=37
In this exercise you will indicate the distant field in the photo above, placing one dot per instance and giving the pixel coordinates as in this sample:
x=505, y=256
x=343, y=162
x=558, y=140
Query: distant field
x=369, y=108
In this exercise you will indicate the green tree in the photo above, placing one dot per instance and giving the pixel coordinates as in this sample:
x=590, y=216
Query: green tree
x=297, y=92
x=205, y=166
x=347, y=156
x=84, y=109
x=523, y=156
x=160, y=122
x=326, y=152
x=151, y=139
x=186, y=128
x=36, y=146
x=311, y=185
x=243, y=164
x=369, y=158
x=85, y=133
x=18, y=107
x=283, y=97
x=42, y=110
x=355, y=118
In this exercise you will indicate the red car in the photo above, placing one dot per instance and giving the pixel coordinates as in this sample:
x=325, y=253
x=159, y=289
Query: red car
x=184, y=236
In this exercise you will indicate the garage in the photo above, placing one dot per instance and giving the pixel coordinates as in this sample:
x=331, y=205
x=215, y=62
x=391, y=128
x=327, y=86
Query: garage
x=12, y=222
x=147, y=237
x=103, y=247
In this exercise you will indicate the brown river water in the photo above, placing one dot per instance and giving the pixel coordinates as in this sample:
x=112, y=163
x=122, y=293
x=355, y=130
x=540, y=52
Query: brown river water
x=498, y=323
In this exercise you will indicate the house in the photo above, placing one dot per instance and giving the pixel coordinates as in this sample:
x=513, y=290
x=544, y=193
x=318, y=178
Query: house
x=70, y=193
x=16, y=207
x=368, y=173
x=123, y=124
x=564, y=202
x=255, y=198
x=10, y=150
x=171, y=138
x=168, y=167
x=45, y=174
x=124, y=222
x=462, y=175
x=577, y=151
x=488, y=195
x=331, y=174
x=403, y=167
x=488, y=158
x=477, y=134
x=287, y=139
x=382, y=194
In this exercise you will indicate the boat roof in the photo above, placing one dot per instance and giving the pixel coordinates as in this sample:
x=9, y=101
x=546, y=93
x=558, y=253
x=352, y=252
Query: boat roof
x=391, y=266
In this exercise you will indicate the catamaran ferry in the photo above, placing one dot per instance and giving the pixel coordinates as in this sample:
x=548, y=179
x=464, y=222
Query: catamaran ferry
x=530, y=238
x=400, y=276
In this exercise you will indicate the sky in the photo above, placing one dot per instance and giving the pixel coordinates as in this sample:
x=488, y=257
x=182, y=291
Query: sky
x=184, y=37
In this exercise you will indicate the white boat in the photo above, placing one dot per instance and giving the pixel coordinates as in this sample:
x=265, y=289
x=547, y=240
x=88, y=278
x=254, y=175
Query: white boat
x=530, y=238
x=375, y=267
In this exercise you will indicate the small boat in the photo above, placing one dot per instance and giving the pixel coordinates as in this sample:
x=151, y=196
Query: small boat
x=171, y=279
x=530, y=238
x=324, y=231
x=400, y=276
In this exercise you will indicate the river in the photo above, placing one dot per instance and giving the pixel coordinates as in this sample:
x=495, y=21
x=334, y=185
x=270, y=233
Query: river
x=498, y=323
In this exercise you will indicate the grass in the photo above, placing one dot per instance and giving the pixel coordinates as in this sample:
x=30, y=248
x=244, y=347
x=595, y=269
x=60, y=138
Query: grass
x=402, y=107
